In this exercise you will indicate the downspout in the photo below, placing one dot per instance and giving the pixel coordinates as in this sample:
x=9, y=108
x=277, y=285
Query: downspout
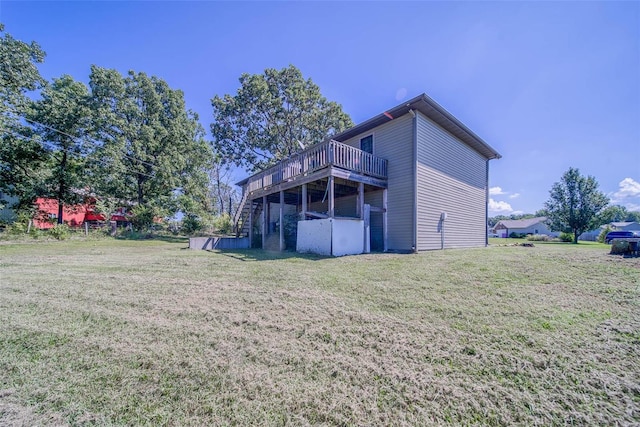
x=486, y=206
x=414, y=141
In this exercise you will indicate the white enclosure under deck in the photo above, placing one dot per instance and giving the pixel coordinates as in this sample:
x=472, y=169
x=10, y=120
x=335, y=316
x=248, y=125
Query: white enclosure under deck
x=328, y=180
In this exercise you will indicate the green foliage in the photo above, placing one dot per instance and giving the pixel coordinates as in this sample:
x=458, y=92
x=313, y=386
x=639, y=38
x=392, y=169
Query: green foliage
x=270, y=116
x=491, y=221
x=143, y=216
x=191, y=224
x=603, y=234
x=153, y=148
x=575, y=203
x=538, y=238
x=61, y=117
x=21, y=154
x=565, y=237
x=223, y=224
x=59, y=231
x=514, y=235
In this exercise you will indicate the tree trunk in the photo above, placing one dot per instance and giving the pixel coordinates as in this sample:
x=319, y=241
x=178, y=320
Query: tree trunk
x=575, y=237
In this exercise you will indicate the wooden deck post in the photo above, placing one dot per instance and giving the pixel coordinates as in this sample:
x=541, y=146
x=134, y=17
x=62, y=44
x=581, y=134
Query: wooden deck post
x=331, y=196
x=360, y=208
x=385, y=229
x=265, y=220
x=304, y=202
x=281, y=220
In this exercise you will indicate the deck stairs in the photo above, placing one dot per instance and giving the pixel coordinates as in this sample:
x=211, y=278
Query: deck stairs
x=241, y=219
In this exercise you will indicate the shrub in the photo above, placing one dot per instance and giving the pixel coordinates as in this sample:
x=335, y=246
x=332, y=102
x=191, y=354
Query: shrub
x=620, y=247
x=59, y=231
x=514, y=235
x=142, y=217
x=603, y=234
x=566, y=237
x=223, y=224
x=538, y=237
x=191, y=224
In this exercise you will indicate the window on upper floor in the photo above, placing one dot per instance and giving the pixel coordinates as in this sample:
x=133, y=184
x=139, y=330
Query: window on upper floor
x=366, y=144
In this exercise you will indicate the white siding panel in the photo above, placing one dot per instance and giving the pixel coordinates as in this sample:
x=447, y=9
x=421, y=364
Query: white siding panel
x=451, y=179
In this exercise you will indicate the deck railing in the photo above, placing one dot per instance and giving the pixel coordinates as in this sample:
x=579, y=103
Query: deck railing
x=329, y=153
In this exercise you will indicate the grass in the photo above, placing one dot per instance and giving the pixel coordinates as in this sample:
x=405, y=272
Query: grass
x=117, y=332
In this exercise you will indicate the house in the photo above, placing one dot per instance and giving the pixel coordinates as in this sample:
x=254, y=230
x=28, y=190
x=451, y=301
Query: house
x=523, y=227
x=74, y=216
x=628, y=225
x=47, y=213
x=410, y=179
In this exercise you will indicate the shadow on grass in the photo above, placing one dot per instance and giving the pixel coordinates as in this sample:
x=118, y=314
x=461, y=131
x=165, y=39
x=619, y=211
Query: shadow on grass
x=262, y=255
x=151, y=236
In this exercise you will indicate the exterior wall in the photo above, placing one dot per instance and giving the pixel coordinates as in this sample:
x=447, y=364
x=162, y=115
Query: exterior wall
x=451, y=178
x=394, y=141
x=539, y=228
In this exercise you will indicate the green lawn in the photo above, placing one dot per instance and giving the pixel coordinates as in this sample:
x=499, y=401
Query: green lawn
x=110, y=332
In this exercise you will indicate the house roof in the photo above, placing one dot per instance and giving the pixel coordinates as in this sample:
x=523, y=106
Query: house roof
x=435, y=112
x=623, y=224
x=522, y=223
x=429, y=108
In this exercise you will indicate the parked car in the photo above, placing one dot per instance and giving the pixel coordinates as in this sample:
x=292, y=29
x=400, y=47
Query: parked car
x=620, y=235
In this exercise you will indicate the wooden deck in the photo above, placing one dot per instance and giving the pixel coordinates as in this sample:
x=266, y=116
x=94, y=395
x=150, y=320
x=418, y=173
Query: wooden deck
x=348, y=160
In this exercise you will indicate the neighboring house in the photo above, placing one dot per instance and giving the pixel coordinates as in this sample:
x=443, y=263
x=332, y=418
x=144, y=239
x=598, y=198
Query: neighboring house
x=47, y=214
x=627, y=226
x=523, y=226
x=415, y=176
x=74, y=216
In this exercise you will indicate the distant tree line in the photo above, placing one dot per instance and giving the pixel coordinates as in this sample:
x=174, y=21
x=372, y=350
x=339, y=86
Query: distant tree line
x=575, y=205
x=130, y=140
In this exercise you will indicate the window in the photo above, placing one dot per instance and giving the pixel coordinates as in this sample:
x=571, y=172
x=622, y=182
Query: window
x=366, y=144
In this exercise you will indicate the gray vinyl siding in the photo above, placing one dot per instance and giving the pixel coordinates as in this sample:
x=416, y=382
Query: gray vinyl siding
x=394, y=141
x=451, y=179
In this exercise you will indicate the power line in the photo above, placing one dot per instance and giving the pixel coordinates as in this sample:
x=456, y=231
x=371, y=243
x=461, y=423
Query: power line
x=52, y=147
x=77, y=139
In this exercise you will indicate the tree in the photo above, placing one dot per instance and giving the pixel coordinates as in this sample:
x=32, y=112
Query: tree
x=152, y=148
x=21, y=154
x=271, y=117
x=615, y=213
x=62, y=117
x=574, y=203
x=222, y=191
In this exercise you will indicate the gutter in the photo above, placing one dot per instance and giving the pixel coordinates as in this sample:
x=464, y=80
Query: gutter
x=414, y=142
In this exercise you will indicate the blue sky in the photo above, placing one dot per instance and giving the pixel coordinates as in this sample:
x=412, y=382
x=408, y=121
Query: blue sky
x=550, y=85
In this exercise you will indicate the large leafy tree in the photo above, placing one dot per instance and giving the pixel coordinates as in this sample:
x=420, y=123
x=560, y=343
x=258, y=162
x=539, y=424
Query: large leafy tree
x=21, y=154
x=271, y=117
x=62, y=118
x=575, y=203
x=152, y=151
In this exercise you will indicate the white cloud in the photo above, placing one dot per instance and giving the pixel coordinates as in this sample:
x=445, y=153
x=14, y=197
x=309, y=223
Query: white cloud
x=494, y=191
x=628, y=194
x=499, y=207
x=514, y=195
x=628, y=188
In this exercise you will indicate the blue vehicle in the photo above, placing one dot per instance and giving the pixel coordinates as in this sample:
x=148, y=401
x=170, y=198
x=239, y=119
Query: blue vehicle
x=620, y=235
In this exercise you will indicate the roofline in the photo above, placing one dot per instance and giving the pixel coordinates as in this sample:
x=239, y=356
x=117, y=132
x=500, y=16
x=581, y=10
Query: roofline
x=429, y=108
x=435, y=112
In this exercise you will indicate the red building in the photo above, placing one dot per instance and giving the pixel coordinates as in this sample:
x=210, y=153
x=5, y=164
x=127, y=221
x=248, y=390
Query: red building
x=73, y=216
